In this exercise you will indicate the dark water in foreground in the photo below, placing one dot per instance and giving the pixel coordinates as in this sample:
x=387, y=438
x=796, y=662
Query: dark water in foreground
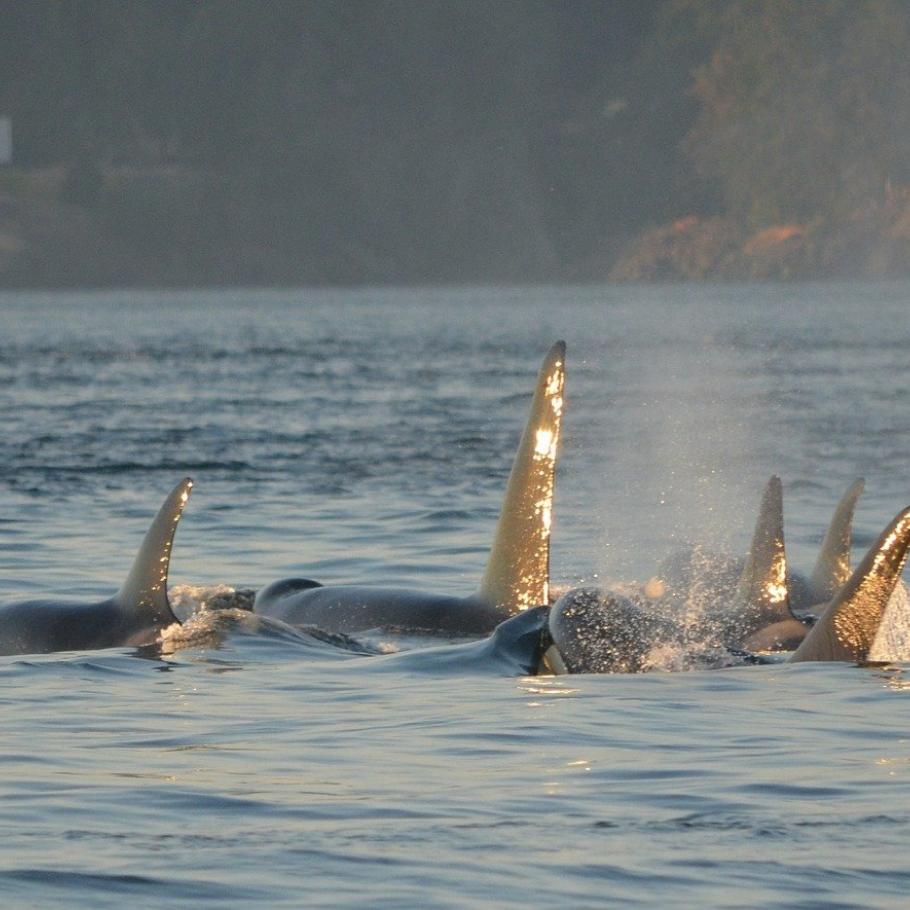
x=367, y=437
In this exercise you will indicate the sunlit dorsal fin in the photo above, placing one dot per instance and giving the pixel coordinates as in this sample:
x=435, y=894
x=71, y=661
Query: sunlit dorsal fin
x=847, y=628
x=518, y=570
x=763, y=584
x=145, y=590
x=832, y=568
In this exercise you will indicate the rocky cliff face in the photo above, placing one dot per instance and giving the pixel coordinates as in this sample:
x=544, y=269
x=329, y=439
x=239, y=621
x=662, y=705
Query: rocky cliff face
x=871, y=242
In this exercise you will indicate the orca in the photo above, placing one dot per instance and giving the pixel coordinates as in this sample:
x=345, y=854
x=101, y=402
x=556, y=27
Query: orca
x=596, y=631
x=832, y=568
x=759, y=602
x=760, y=616
x=515, y=648
x=847, y=628
x=517, y=571
x=134, y=616
x=773, y=606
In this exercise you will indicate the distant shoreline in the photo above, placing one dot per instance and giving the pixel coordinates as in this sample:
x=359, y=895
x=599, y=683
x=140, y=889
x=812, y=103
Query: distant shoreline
x=159, y=228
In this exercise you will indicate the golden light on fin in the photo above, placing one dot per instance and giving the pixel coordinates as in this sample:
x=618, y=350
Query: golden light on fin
x=544, y=446
x=145, y=589
x=763, y=587
x=847, y=628
x=517, y=573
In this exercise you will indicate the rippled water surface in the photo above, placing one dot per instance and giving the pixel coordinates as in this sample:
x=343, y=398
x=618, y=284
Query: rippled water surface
x=366, y=437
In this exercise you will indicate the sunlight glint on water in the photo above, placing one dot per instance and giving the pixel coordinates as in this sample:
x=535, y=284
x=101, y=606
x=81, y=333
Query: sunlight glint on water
x=367, y=436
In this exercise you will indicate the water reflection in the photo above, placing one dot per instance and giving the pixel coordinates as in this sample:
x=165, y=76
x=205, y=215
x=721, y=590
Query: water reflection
x=547, y=687
x=895, y=678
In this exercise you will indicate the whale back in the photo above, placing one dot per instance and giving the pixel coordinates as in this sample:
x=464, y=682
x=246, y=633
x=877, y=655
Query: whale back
x=515, y=647
x=518, y=569
x=143, y=596
x=355, y=608
x=846, y=630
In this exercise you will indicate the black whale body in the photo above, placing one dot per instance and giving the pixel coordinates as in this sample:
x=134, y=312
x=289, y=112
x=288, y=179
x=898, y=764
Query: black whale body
x=132, y=617
x=357, y=608
x=517, y=573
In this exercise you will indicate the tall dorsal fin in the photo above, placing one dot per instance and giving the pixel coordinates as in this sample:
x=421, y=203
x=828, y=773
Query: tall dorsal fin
x=762, y=589
x=145, y=590
x=847, y=628
x=517, y=575
x=832, y=568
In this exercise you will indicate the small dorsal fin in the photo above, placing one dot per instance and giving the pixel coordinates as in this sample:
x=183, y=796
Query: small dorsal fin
x=847, y=628
x=518, y=570
x=762, y=591
x=832, y=568
x=145, y=589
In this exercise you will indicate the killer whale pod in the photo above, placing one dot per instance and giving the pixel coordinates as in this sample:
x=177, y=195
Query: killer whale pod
x=596, y=631
x=134, y=616
x=772, y=605
x=517, y=572
x=758, y=602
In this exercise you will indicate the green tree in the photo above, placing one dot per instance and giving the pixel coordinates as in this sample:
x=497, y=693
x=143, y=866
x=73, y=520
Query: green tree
x=804, y=104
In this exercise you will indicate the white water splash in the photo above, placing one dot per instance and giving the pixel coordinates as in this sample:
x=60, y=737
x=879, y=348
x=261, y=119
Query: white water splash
x=208, y=629
x=188, y=600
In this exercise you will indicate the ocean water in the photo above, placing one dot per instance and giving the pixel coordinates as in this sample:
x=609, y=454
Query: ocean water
x=366, y=436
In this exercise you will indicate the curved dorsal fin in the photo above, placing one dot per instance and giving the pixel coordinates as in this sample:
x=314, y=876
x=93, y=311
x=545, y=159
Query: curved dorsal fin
x=832, y=568
x=145, y=590
x=762, y=591
x=518, y=569
x=847, y=628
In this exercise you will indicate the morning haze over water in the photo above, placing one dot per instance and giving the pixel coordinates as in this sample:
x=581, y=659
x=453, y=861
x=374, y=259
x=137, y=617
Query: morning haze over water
x=296, y=143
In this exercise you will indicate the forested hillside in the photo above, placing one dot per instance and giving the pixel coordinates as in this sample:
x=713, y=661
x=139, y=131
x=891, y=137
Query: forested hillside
x=346, y=141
